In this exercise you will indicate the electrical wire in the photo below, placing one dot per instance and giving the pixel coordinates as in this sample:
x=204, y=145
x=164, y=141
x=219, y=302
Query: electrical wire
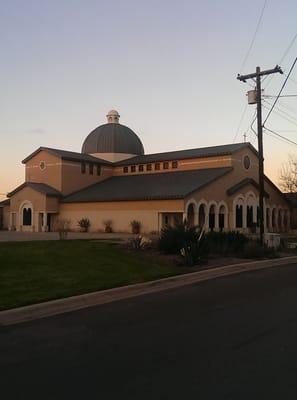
x=283, y=85
x=281, y=112
x=280, y=115
x=280, y=136
x=254, y=37
x=240, y=122
x=283, y=57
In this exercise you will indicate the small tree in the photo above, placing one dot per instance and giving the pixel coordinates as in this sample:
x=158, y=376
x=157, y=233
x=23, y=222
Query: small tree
x=136, y=226
x=288, y=175
x=62, y=226
x=84, y=224
x=107, y=226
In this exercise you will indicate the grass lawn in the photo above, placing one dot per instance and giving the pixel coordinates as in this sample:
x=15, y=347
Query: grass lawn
x=32, y=272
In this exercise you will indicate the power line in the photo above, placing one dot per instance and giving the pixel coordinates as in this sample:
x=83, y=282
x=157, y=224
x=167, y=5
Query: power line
x=240, y=122
x=283, y=57
x=288, y=49
x=280, y=115
x=254, y=37
x=291, y=69
x=280, y=136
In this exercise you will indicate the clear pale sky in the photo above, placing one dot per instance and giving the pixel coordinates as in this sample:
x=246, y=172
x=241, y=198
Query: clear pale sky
x=169, y=67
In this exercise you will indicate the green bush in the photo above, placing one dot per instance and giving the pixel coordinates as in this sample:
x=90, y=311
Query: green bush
x=253, y=249
x=84, y=224
x=226, y=243
x=184, y=240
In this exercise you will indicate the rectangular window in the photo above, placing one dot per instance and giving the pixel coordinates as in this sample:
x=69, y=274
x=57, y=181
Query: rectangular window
x=165, y=165
x=98, y=169
x=157, y=167
x=83, y=168
x=149, y=167
x=140, y=168
x=125, y=170
x=133, y=168
x=91, y=169
x=174, y=164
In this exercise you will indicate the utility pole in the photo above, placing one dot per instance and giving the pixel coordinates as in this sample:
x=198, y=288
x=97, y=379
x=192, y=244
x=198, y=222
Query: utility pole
x=243, y=78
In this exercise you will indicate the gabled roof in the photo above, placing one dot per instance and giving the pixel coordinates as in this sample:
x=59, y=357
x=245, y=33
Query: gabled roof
x=191, y=153
x=67, y=155
x=160, y=186
x=39, y=187
x=247, y=181
x=292, y=197
x=4, y=203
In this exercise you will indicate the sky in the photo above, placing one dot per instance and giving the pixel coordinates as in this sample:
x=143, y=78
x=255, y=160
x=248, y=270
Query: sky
x=169, y=67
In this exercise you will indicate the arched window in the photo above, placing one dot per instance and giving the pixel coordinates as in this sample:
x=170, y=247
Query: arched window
x=274, y=218
x=201, y=215
x=249, y=216
x=239, y=216
x=27, y=216
x=212, y=217
x=279, y=220
x=191, y=214
x=267, y=218
x=222, y=212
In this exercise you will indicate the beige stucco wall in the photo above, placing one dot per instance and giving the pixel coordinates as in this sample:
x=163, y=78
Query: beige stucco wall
x=51, y=175
x=73, y=179
x=121, y=213
x=216, y=191
x=5, y=215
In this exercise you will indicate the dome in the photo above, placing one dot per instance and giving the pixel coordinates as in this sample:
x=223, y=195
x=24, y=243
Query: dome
x=112, y=138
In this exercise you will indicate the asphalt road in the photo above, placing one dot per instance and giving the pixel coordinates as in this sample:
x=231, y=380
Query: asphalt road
x=230, y=338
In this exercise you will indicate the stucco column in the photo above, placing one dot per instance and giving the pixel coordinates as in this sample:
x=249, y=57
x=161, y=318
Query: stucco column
x=44, y=223
x=196, y=216
x=216, y=227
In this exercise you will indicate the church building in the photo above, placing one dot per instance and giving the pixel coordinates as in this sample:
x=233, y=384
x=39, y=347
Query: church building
x=113, y=179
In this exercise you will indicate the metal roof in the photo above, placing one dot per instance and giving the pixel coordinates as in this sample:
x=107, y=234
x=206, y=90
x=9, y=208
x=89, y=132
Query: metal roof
x=67, y=155
x=173, y=185
x=292, y=197
x=112, y=138
x=39, y=187
x=238, y=186
x=191, y=153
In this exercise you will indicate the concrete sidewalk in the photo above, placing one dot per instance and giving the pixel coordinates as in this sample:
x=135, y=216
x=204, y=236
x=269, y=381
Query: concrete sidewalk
x=55, y=307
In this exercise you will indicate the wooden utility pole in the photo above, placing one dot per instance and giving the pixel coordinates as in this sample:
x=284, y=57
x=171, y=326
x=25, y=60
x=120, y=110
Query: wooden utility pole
x=243, y=78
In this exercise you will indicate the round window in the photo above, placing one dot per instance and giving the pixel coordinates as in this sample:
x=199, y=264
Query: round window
x=246, y=162
x=42, y=165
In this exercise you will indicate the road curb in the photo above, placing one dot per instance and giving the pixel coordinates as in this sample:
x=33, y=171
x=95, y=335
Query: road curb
x=60, y=306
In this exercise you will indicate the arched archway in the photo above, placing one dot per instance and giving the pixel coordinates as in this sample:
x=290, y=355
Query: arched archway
x=212, y=217
x=268, y=218
x=274, y=219
x=27, y=216
x=191, y=214
x=201, y=215
x=223, y=214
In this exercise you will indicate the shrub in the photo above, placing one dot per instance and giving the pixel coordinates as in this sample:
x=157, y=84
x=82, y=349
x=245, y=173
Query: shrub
x=253, y=249
x=184, y=240
x=226, y=243
x=84, y=224
x=62, y=226
x=107, y=225
x=136, y=226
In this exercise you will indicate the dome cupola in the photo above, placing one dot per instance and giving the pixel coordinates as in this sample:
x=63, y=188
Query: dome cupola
x=113, y=141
